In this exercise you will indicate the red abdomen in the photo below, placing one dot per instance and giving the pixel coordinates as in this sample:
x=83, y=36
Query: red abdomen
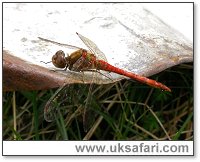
x=102, y=65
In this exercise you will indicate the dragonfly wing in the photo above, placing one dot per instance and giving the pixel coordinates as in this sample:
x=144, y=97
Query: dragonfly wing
x=54, y=103
x=91, y=105
x=73, y=96
x=88, y=114
x=93, y=48
x=59, y=44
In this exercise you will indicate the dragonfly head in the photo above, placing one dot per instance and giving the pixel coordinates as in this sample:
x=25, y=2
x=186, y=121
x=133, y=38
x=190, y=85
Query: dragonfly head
x=59, y=60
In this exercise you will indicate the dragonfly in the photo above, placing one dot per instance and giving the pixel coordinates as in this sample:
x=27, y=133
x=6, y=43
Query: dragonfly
x=83, y=60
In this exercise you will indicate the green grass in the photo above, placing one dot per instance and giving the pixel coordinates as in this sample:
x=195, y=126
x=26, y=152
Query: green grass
x=125, y=110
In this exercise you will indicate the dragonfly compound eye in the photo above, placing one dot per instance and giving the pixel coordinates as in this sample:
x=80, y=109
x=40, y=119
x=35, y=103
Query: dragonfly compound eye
x=59, y=59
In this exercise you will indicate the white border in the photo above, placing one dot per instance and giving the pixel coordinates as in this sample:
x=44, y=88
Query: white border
x=107, y=147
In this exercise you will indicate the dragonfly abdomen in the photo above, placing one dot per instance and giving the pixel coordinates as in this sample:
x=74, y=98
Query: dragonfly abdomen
x=102, y=65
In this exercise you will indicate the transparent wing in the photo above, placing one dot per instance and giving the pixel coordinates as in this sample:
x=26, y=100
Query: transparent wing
x=93, y=48
x=96, y=51
x=55, y=102
x=89, y=113
x=59, y=44
x=67, y=99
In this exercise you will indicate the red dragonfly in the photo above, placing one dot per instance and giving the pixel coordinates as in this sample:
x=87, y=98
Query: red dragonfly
x=83, y=60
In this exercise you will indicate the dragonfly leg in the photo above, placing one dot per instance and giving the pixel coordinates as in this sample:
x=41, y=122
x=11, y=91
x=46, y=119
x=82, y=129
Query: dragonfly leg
x=45, y=62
